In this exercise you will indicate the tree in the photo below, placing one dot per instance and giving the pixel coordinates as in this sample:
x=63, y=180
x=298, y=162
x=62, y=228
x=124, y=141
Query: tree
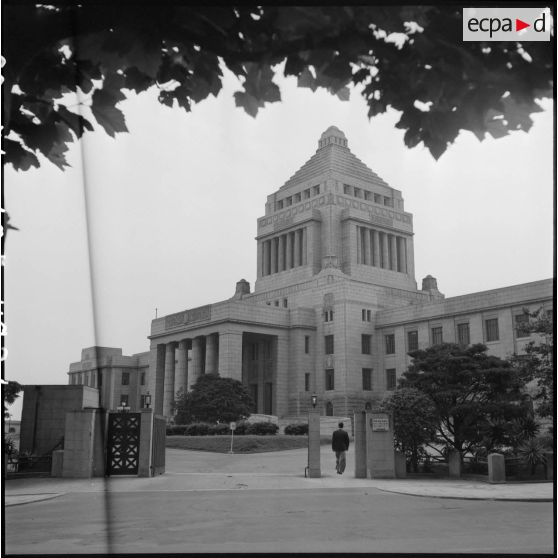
x=537, y=363
x=213, y=399
x=10, y=394
x=415, y=421
x=471, y=392
x=411, y=59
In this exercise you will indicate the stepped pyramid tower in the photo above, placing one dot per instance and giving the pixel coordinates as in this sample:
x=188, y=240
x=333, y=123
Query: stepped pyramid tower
x=334, y=312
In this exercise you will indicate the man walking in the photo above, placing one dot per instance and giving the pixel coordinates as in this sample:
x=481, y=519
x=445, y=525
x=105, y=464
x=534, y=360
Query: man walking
x=340, y=444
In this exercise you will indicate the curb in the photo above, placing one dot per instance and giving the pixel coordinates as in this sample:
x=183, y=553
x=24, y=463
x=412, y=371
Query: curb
x=494, y=499
x=28, y=499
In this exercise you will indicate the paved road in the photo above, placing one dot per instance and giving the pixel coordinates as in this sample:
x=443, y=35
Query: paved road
x=262, y=503
x=320, y=520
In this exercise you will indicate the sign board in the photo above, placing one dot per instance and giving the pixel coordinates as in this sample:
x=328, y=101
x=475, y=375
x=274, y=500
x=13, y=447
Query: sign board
x=380, y=423
x=232, y=426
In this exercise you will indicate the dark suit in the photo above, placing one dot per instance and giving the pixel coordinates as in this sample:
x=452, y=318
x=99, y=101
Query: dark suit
x=340, y=444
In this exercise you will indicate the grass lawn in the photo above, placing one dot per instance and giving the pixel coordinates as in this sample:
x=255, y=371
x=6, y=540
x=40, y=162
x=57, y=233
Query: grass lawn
x=242, y=444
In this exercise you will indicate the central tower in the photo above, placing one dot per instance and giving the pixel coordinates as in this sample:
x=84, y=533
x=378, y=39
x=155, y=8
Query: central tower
x=335, y=212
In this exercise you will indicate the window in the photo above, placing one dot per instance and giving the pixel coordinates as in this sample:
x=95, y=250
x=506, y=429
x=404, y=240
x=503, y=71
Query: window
x=124, y=400
x=307, y=382
x=99, y=378
x=491, y=329
x=267, y=350
x=346, y=189
x=366, y=315
x=391, y=378
x=390, y=343
x=280, y=204
x=125, y=378
x=363, y=315
x=412, y=340
x=12, y=429
x=358, y=193
x=142, y=402
x=284, y=303
x=328, y=344
x=463, y=337
x=289, y=201
x=388, y=201
x=367, y=379
x=366, y=344
x=328, y=315
x=142, y=379
x=306, y=344
x=329, y=379
x=329, y=409
x=306, y=193
x=367, y=195
x=296, y=198
x=522, y=325
x=255, y=351
x=377, y=198
x=276, y=302
x=437, y=337
x=316, y=190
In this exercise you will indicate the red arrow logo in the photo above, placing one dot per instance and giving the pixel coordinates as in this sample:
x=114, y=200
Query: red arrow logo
x=519, y=25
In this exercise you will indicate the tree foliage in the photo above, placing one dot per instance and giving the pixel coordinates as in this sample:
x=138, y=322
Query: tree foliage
x=213, y=399
x=477, y=396
x=537, y=363
x=415, y=421
x=10, y=392
x=411, y=59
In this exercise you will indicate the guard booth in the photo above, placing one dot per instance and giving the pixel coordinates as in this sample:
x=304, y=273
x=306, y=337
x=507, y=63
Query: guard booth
x=135, y=443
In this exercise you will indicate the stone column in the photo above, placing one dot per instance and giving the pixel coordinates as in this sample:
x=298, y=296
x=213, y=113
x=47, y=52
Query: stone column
x=168, y=397
x=230, y=354
x=273, y=267
x=359, y=446
x=197, y=364
x=181, y=375
x=159, y=379
x=299, y=247
x=376, y=247
x=282, y=253
x=385, y=253
x=304, y=247
x=359, y=245
x=404, y=267
x=365, y=247
x=289, y=251
x=393, y=262
x=211, y=354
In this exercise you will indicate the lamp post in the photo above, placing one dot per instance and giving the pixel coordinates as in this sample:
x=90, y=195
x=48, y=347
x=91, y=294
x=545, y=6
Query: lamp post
x=147, y=400
x=313, y=468
x=314, y=399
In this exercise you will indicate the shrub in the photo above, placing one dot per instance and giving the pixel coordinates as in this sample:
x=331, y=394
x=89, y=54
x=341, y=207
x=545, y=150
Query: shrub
x=241, y=427
x=176, y=429
x=197, y=429
x=262, y=428
x=219, y=429
x=296, y=429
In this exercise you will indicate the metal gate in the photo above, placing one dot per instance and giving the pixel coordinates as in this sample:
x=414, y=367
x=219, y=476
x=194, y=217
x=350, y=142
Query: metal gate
x=123, y=440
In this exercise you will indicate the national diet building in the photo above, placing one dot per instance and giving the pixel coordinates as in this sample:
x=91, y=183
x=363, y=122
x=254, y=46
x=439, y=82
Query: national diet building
x=334, y=310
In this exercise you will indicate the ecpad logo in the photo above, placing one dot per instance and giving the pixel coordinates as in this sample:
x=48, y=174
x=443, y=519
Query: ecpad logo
x=506, y=24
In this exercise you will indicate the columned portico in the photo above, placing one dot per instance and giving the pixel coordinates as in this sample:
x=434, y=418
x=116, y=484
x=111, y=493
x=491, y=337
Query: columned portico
x=230, y=354
x=197, y=361
x=181, y=375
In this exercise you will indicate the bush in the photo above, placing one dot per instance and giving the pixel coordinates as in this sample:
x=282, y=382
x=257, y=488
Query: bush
x=176, y=429
x=262, y=428
x=219, y=429
x=241, y=427
x=197, y=429
x=296, y=429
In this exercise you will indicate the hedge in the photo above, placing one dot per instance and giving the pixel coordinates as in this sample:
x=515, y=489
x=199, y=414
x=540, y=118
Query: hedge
x=207, y=429
x=262, y=428
x=296, y=429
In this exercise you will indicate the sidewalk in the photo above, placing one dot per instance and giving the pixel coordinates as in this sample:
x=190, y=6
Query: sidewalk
x=202, y=471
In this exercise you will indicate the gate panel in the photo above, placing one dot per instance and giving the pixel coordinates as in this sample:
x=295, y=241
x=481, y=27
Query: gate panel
x=123, y=439
x=159, y=443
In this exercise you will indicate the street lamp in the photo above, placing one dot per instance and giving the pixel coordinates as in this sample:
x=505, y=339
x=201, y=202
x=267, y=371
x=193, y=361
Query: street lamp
x=314, y=400
x=147, y=400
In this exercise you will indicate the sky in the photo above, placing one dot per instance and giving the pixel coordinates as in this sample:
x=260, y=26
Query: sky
x=164, y=218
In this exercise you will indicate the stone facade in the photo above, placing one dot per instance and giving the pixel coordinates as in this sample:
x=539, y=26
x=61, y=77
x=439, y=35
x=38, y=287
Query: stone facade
x=335, y=303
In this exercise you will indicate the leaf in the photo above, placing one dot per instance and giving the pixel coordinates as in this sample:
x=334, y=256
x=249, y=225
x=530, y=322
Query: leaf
x=306, y=79
x=249, y=103
x=107, y=115
x=76, y=122
x=17, y=156
x=344, y=94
